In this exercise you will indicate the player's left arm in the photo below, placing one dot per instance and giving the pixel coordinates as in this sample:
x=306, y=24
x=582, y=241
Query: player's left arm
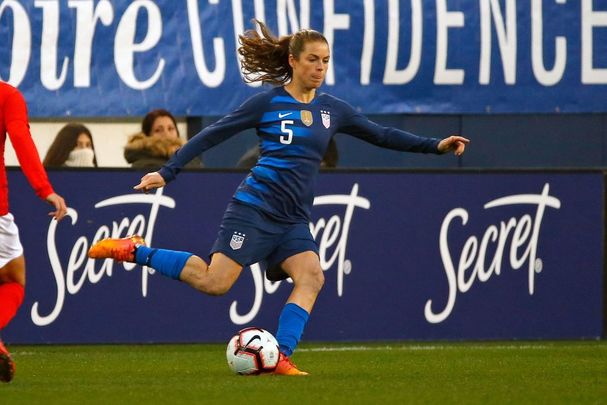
x=17, y=126
x=357, y=125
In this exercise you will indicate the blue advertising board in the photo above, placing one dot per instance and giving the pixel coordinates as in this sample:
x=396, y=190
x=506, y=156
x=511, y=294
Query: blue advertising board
x=121, y=58
x=435, y=255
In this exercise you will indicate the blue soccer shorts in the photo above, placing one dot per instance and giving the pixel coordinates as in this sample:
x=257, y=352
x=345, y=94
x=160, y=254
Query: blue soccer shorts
x=248, y=235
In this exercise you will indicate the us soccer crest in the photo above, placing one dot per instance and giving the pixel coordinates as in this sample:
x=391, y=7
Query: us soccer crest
x=237, y=240
x=326, y=118
x=306, y=117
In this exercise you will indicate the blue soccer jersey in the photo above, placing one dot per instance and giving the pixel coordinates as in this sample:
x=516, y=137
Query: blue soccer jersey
x=293, y=137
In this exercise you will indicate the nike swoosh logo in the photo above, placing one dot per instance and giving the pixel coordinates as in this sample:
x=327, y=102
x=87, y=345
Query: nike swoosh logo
x=284, y=115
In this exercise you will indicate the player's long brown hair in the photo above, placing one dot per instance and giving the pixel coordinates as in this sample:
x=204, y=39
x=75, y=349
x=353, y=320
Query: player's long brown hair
x=265, y=57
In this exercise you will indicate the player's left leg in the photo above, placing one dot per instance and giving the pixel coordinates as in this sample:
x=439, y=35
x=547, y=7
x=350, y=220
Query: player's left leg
x=308, y=279
x=12, y=291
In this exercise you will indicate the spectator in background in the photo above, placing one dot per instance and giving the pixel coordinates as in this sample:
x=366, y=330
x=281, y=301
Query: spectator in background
x=157, y=142
x=330, y=158
x=73, y=147
x=13, y=120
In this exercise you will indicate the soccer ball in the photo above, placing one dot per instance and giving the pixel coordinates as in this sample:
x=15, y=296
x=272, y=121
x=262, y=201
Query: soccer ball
x=252, y=351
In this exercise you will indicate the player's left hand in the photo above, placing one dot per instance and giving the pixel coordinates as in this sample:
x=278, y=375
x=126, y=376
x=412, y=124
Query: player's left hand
x=58, y=202
x=454, y=143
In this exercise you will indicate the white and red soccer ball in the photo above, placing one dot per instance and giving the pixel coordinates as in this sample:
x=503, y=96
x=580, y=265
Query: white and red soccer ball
x=252, y=351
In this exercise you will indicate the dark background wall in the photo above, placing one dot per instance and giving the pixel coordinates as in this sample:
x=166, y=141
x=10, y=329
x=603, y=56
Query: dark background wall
x=498, y=141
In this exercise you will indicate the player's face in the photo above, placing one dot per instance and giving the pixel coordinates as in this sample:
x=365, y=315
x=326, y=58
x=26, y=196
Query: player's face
x=164, y=128
x=311, y=66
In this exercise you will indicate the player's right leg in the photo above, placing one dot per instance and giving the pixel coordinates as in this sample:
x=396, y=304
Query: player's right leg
x=7, y=365
x=214, y=279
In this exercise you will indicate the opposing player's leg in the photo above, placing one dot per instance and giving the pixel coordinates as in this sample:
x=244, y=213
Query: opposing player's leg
x=308, y=279
x=7, y=365
x=12, y=285
x=12, y=280
x=214, y=279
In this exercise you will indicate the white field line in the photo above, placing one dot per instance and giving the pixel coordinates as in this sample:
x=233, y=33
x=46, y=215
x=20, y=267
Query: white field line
x=431, y=347
x=408, y=348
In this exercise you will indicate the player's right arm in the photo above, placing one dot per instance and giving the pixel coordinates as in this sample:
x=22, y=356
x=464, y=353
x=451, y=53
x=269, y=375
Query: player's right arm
x=244, y=117
x=150, y=181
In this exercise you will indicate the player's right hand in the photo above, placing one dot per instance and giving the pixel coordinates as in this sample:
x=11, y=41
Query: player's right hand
x=150, y=181
x=58, y=202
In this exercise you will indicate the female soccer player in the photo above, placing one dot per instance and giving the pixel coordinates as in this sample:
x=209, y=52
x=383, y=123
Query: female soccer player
x=268, y=217
x=13, y=119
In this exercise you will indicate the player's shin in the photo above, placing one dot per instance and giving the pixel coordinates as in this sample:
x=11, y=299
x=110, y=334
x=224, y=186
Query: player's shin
x=11, y=297
x=169, y=263
x=291, y=324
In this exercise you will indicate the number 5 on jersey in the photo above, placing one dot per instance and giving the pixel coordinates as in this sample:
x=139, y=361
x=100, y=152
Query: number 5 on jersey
x=288, y=138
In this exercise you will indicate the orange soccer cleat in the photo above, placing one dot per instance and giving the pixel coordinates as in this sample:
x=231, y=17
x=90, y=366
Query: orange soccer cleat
x=286, y=367
x=7, y=365
x=118, y=249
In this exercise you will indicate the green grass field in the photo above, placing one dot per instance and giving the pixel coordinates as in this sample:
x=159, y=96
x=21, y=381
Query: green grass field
x=514, y=372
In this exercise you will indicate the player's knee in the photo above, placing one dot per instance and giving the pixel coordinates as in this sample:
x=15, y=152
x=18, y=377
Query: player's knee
x=13, y=272
x=216, y=290
x=320, y=279
x=315, y=279
x=217, y=287
x=18, y=277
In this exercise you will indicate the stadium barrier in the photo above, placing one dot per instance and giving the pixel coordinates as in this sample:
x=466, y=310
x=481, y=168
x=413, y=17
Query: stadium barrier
x=407, y=255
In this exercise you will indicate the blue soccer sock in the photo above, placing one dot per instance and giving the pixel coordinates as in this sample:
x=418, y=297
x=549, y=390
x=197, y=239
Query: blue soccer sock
x=166, y=262
x=291, y=324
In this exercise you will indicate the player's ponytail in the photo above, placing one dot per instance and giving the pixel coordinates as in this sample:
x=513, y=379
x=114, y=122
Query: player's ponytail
x=266, y=57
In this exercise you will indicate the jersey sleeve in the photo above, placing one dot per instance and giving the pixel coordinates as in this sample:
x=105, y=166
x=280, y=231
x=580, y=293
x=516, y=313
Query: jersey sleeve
x=244, y=117
x=359, y=126
x=17, y=126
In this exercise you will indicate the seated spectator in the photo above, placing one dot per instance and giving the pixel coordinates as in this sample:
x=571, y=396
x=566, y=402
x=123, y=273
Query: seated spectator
x=157, y=142
x=73, y=147
x=330, y=159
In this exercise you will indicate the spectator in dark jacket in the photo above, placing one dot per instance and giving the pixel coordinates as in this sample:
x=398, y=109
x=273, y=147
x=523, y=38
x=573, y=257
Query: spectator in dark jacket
x=157, y=142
